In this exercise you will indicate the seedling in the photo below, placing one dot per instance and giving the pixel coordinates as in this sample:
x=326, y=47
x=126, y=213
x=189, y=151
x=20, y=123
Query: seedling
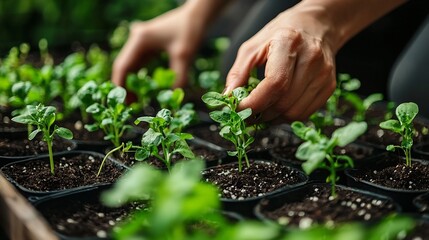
x=318, y=150
x=110, y=116
x=172, y=100
x=232, y=123
x=43, y=117
x=163, y=135
x=405, y=112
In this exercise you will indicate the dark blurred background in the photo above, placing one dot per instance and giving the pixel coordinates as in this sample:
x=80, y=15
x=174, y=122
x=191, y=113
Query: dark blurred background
x=63, y=22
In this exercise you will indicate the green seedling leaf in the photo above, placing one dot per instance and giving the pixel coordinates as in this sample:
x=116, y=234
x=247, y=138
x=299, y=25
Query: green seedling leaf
x=240, y=93
x=33, y=134
x=392, y=125
x=406, y=112
x=244, y=114
x=349, y=133
x=313, y=162
x=64, y=133
x=214, y=99
x=116, y=96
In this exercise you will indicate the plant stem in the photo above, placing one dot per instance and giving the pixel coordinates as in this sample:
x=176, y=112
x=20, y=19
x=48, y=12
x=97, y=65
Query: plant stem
x=332, y=175
x=51, y=157
x=106, y=156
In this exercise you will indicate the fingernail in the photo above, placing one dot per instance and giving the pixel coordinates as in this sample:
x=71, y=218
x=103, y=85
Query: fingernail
x=225, y=91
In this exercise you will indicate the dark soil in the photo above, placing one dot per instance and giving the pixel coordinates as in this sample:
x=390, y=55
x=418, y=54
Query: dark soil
x=264, y=139
x=287, y=153
x=25, y=147
x=395, y=174
x=80, y=133
x=257, y=180
x=318, y=207
x=79, y=170
x=212, y=157
x=85, y=218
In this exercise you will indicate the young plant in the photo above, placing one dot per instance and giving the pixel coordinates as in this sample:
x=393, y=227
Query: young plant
x=163, y=135
x=318, y=150
x=405, y=112
x=110, y=116
x=232, y=123
x=172, y=100
x=43, y=117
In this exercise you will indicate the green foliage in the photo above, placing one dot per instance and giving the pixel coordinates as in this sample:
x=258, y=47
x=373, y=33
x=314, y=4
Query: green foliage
x=405, y=112
x=317, y=150
x=110, y=115
x=164, y=134
x=146, y=87
x=232, y=123
x=43, y=117
x=182, y=207
x=346, y=85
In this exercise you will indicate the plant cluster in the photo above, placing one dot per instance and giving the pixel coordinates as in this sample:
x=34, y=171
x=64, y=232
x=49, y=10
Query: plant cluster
x=43, y=117
x=181, y=206
x=232, y=123
x=163, y=139
x=405, y=112
x=318, y=150
x=110, y=116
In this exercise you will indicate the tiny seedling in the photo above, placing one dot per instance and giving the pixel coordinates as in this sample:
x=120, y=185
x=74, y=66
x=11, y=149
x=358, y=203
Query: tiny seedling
x=43, y=117
x=163, y=136
x=405, y=112
x=110, y=116
x=318, y=150
x=232, y=123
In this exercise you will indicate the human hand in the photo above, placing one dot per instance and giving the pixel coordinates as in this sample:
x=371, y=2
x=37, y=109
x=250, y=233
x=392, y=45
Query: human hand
x=175, y=32
x=299, y=70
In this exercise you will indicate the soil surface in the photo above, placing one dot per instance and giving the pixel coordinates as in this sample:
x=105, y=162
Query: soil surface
x=264, y=139
x=25, y=147
x=257, y=180
x=395, y=174
x=212, y=157
x=287, y=153
x=70, y=172
x=80, y=133
x=85, y=217
x=318, y=207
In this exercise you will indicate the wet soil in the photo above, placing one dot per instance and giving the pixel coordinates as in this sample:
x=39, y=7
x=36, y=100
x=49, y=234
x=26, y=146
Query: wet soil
x=25, y=147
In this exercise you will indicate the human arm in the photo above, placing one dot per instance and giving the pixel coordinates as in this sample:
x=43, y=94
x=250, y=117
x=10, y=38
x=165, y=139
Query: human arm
x=178, y=32
x=298, y=48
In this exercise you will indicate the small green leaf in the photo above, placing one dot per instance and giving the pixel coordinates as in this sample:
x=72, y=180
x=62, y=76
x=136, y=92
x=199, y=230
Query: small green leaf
x=94, y=108
x=244, y=114
x=390, y=148
x=392, y=125
x=24, y=119
x=368, y=101
x=106, y=121
x=214, y=99
x=220, y=116
x=349, y=133
x=299, y=129
x=91, y=127
x=240, y=93
x=313, y=162
x=116, y=96
x=406, y=112
x=151, y=138
x=142, y=154
x=64, y=133
x=33, y=134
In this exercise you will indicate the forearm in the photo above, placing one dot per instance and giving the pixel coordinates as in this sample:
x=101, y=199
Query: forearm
x=345, y=18
x=206, y=10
